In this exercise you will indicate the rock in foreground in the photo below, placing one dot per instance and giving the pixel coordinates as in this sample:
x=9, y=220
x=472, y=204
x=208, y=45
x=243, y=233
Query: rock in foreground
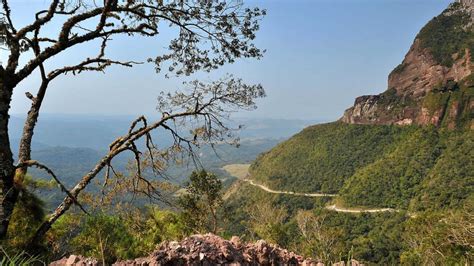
x=209, y=249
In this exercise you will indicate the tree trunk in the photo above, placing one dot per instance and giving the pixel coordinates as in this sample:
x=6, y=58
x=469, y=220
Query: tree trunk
x=8, y=191
x=24, y=152
x=214, y=220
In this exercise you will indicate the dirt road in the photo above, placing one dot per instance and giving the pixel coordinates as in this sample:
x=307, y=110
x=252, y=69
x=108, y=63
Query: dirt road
x=241, y=171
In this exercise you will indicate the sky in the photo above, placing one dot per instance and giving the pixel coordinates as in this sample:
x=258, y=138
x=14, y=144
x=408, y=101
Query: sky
x=321, y=54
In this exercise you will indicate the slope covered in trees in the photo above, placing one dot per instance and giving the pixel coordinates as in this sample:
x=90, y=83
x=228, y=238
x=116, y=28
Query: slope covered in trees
x=430, y=169
x=374, y=165
x=409, y=147
x=301, y=224
x=322, y=157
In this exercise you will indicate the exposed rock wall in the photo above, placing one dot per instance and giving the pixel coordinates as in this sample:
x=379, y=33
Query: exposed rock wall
x=422, y=90
x=469, y=6
x=419, y=73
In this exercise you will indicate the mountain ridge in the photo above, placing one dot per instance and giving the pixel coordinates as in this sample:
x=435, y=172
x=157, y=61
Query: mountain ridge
x=434, y=84
x=403, y=148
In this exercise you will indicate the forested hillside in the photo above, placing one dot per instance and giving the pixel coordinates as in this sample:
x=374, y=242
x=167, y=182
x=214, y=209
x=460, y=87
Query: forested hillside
x=410, y=147
x=401, y=163
x=430, y=169
x=322, y=157
x=374, y=165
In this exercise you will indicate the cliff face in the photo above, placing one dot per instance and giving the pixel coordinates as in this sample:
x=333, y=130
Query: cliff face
x=419, y=72
x=435, y=82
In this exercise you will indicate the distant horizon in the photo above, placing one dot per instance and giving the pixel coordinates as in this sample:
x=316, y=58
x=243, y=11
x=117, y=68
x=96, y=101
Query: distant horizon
x=132, y=116
x=316, y=64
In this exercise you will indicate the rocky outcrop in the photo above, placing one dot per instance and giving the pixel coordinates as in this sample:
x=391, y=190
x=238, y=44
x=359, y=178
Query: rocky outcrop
x=419, y=73
x=210, y=249
x=469, y=6
x=434, y=83
x=74, y=260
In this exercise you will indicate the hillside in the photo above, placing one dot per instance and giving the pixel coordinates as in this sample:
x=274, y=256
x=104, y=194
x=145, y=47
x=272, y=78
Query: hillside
x=374, y=165
x=322, y=157
x=430, y=169
x=408, y=150
x=410, y=147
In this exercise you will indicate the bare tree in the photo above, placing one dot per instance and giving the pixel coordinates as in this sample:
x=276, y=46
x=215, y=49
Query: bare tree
x=209, y=34
x=266, y=221
x=434, y=237
x=319, y=239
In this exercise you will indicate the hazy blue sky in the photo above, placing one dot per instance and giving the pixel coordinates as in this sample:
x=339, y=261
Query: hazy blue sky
x=321, y=54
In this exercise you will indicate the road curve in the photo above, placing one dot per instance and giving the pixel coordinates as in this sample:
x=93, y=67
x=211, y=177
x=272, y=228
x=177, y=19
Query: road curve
x=337, y=209
x=269, y=190
x=329, y=207
x=242, y=174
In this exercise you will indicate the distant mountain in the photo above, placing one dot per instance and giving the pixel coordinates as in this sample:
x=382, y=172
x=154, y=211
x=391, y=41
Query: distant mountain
x=80, y=131
x=70, y=164
x=272, y=128
x=435, y=82
x=98, y=131
x=71, y=145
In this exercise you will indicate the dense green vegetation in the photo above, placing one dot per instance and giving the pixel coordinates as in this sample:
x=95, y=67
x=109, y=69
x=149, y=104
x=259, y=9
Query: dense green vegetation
x=450, y=182
x=373, y=165
x=393, y=179
x=446, y=35
x=376, y=239
x=439, y=238
x=453, y=100
x=424, y=170
x=464, y=97
x=122, y=235
x=427, y=165
x=322, y=157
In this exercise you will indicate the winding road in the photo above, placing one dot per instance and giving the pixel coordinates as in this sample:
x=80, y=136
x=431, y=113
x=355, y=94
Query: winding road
x=241, y=172
x=269, y=190
x=338, y=209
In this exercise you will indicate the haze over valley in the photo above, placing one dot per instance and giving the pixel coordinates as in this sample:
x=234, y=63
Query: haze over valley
x=237, y=132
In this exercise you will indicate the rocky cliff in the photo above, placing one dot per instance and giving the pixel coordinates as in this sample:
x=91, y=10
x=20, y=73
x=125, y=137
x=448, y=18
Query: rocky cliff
x=435, y=82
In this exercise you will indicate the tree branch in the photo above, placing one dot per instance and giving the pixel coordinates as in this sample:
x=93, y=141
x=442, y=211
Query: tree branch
x=7, y=10
x=40, y=21
x=233, y=94
x=33, y=163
